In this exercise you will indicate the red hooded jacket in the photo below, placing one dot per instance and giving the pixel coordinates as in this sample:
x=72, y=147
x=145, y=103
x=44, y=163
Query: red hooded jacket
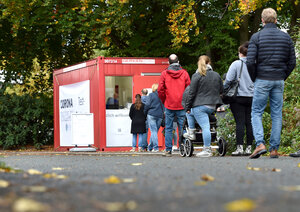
x=172, y=84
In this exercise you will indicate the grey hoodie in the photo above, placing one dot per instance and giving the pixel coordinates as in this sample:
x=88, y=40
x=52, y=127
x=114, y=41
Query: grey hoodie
x=246, y=87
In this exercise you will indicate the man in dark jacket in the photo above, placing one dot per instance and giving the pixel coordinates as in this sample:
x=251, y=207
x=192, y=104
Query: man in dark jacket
x=270, y=60
x=172, y=84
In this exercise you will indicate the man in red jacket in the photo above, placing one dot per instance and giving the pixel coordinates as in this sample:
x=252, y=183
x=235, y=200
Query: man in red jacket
x=172, y=84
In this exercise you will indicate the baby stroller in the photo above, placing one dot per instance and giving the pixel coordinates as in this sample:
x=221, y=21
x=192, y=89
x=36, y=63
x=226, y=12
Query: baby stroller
x=187, y=146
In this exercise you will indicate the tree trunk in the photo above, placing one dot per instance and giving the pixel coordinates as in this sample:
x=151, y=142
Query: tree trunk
x=294, y=17
x=256, y=20
x=243, y=31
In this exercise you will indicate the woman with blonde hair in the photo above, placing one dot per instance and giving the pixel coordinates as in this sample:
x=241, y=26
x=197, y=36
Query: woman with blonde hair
x=203, y=97
x=154, y=112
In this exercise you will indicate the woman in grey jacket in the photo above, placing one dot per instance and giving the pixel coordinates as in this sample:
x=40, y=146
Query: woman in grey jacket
x=241, y=107
x=205, y=90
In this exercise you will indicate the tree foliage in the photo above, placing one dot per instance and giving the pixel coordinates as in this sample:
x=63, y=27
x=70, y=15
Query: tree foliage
x=61, y=33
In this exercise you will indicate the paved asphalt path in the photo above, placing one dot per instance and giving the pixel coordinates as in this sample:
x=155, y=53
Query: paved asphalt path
x=152, y=182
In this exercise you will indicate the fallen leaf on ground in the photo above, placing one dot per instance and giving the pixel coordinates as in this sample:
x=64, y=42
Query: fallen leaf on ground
x=128, y=180
x=54, y=175
x=263, y=169
x=299, y=165
x=254, y=168
x=4, y=168
x=26, y=205
x=4, y=184
x=136, y=164
x=57, y=168
x=291, y=188
x=207, y=177
x=35, y=189
x=61, y=177
x=200, y=183
x=117, y=206
x=240, y=205
x=112, y=180
x=34, y=171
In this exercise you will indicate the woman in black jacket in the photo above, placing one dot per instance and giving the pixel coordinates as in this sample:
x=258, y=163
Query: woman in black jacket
x=138, y=123
x=204, y=95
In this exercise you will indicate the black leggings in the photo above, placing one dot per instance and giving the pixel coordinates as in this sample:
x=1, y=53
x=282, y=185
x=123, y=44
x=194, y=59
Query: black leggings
x=241, y=110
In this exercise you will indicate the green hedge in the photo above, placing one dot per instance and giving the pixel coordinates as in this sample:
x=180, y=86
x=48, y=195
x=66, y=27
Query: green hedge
x=25, y=120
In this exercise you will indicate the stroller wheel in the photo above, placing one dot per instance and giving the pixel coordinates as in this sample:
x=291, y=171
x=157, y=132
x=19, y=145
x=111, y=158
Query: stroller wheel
x=182, y=150
x=189, y=149
x=222, y=146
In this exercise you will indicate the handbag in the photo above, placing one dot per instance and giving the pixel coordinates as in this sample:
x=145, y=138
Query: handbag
x=231, y=92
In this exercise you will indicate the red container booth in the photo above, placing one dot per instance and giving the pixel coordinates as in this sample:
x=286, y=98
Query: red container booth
x=105, y=89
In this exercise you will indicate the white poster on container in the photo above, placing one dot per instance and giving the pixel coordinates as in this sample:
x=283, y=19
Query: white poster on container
x=73, y=98
x=118, y=124
x=82, y=129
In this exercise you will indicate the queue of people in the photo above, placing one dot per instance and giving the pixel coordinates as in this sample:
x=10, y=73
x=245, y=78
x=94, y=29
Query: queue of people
x=261, y=71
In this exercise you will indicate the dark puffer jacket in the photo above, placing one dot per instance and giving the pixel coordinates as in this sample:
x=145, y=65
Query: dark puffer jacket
x=271, y=54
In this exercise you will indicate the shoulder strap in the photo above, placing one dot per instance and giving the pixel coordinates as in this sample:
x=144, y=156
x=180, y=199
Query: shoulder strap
x=240, y=71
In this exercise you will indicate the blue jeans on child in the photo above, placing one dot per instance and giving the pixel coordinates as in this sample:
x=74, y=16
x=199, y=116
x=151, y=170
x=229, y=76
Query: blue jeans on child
x=134, y=138
x=264, y=90
x=201, y=114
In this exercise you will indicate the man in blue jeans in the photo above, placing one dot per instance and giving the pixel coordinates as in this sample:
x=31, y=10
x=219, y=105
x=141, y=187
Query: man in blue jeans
x=172, y=84
x=270, y=60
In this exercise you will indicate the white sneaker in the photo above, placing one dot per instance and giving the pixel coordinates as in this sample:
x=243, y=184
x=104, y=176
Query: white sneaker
x=153, y=150
x=248, y=150
x=190, y=134
x=206, y=152
x=174, y=148
x=133, y=149
x=239, y=151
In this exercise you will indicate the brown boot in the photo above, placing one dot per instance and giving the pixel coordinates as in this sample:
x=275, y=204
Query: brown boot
x=274, y=154
x=260, y=150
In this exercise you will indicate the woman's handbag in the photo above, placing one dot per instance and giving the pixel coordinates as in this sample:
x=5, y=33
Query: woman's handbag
x=231, y=92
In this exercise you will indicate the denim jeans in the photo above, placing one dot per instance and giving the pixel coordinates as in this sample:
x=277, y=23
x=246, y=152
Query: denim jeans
x=175, y=137
x=154, y=125
x=144, y=142
x=190, y=120
x=264, y=90
x=134, y=138
x=170, y=114
x=201, y=114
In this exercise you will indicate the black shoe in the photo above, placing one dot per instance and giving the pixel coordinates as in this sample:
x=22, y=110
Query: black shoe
x=167, y=154
x=296, y=154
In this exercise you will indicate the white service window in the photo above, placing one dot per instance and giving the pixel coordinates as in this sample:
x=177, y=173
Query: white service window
x=118, y=92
